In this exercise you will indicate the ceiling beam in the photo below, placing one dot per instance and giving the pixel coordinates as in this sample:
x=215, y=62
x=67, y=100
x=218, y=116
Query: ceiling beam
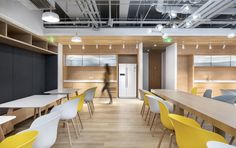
x=124, y=9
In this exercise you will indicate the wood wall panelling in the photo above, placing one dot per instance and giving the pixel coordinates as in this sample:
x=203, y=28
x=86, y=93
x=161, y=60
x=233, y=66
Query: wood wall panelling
x=154, y=70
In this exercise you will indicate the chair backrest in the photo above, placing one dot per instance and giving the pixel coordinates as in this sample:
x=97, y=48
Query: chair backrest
x=231, y=99
x=194, y=91
x=81, y=101
x=153, y=103
x=207, y=93
x=164, y=112
x=20, y=140
x=68, y=109
x=89, y=94
x=216, y=144
x=143, y=94
x=189, y=134
x=47, y=126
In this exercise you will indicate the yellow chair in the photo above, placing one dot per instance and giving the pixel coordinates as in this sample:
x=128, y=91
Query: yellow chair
x=165, y=120
x=189, y=134
x=80, y=106
x=194, y=91
x=21, y=140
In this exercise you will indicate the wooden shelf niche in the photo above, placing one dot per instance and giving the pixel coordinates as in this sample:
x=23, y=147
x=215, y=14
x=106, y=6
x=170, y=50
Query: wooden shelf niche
x=14, y=36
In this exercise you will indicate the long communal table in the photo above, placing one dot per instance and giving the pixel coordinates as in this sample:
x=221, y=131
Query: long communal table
x=220, y=114
x=64, y=91
x=3, y=120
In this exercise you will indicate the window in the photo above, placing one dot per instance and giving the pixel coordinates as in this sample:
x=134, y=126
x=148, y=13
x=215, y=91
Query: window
x=220, y=60
x=202, y=60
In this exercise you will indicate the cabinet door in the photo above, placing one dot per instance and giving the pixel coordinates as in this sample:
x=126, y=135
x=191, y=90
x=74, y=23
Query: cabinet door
x=131, y=80
x=122, y=80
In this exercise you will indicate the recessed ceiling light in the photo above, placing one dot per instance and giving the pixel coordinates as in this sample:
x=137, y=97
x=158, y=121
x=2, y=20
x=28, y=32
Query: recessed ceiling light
x=159, y=27
x=231, y=35
x=155, y=45
x=50, y=17
x=76, y=39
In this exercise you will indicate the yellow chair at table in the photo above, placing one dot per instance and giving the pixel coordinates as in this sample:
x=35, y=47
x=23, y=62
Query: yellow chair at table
x=189, y=134
x=80, y=106
x=21, y=140
x=164, y=112
x=194, y=91
x=143, y=94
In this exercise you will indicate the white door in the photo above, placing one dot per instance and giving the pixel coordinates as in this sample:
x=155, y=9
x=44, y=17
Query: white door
x=127, y=80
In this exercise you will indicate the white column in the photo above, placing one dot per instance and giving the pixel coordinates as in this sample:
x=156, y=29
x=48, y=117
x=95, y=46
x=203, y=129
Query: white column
x=140, y=67
x=60, y=67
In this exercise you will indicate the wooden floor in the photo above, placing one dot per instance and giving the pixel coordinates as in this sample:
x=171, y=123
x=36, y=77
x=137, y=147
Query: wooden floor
x=119, y=125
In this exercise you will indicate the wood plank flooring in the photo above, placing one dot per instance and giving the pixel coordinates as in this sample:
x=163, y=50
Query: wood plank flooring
x=119, y=125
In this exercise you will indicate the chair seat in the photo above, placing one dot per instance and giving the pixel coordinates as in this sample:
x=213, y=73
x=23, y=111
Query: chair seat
x=215, y=144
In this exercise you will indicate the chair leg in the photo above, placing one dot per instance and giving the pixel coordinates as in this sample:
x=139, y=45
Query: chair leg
x=202, y=123
x=147, y=114
x=231, y=140
x=80, y=120
x=149, y=118
x=141, y=112
x=162, y=136
x=171, y=137
x=90, y=114
x=153, y=121
x=188, y=114
x=76, y=132
x=91, y=107
x=68, y=130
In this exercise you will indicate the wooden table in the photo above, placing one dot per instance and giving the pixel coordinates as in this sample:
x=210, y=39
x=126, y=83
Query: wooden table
x=4, y=119
x=64, y=91
x=220, y=114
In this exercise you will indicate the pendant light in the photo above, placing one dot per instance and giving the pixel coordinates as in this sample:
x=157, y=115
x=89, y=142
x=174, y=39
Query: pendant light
x=51, y=17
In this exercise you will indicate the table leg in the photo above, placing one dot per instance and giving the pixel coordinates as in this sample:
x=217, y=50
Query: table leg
x=178, y=110
x=76, y=93
x=46, y=110
x=68, y=97
x=2, y=135
x=9, y=125
x=35, y=113
x=219, y=131
x=39, y=110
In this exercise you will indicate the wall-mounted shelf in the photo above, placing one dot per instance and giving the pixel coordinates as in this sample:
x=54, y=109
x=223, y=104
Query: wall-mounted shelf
x=17, y=37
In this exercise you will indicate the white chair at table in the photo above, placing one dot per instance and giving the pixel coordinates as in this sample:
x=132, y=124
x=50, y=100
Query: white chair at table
x=47, y=127
x=215, y=144
x=154, y=106
x=68, y=113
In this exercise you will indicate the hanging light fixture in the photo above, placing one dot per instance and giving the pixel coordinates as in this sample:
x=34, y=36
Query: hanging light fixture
x=159, y=27
x=76, y=38
x=231, y=35
x=50, y=17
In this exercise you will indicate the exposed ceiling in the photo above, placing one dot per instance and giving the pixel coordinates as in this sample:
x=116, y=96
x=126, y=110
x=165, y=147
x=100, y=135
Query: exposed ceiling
x=144, y=13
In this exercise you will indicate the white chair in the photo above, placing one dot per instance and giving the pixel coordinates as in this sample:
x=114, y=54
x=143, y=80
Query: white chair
x=154, y=107
x=216, y=144
x=88, y=98
x=68, y=113
x=47, y=126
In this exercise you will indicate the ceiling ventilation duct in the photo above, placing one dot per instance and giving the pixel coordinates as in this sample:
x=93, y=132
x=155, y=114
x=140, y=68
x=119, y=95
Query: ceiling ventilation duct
x=44, y=4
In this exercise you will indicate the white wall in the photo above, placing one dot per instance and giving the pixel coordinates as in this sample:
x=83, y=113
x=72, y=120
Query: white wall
x=140, y=67
x=171, y=67
x=146, y=71
x=60, y=67
x=16, y=13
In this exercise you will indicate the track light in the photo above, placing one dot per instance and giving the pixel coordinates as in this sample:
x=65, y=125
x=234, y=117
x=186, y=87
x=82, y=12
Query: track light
x=96, y=46
x=183, y=47
x=197, y=46
x=123, y=46
x=69, y=46
x=136, y=46
x=224, y=46
x=83, y=47
x=210, y=47
x=110, y=46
